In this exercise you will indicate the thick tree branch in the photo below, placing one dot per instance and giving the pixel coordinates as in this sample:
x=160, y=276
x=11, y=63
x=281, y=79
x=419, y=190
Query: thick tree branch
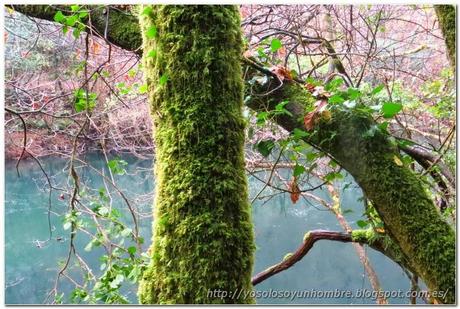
x=410, y=216
x=309, y=240
x=122, y=28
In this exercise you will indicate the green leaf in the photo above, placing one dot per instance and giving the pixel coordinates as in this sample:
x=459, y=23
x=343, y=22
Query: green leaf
x=117, y=281
x=76, y=33
x=147, y=10
x=275, y=45
x=333, y=175
x=81, y=103
x=132, y=250
x=377, y=89
x=132, y=73
x=261, y=53
x=280, y=106
x=298, y=170
x=310, y=156
x=389, y=109
x=299, y=134
x=361, y=223
x=116, y=166
x=334, y=84
x=59, y=17
x=143, y=89
x=126, y=232
x=163, y=79
x=353, y=93
x=261, y=118
x=265, y=147
x=83, y=14
x=103, y=211
x=336, y=99
x=151, y=32
x=71, y=20
x=383, y=126
x=89, y=246
x=74, y=8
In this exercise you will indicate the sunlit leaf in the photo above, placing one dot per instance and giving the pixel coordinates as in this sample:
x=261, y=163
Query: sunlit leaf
x=298, y=170
x=59, y=17
x=377, y=89
x=275, y=45
x=397, y=160
x=389, y=109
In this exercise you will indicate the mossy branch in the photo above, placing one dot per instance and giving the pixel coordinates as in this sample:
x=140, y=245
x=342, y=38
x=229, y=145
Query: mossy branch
x=397, y=194
x=364, y=237
x=123, y=26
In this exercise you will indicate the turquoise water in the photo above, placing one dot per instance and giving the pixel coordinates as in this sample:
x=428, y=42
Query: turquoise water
x=30, y=270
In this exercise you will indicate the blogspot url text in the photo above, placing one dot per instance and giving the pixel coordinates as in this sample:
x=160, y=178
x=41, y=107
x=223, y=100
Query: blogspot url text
x=313, y=293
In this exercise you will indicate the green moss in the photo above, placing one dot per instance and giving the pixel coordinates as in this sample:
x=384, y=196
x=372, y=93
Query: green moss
x=446, y=17
x=367, y=236
x=123, y=28
x=203, y=237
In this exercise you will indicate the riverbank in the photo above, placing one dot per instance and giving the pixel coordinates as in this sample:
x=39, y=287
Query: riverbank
x=38, y=143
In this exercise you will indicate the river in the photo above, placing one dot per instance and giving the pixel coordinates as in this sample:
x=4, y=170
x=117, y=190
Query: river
x=279, y=228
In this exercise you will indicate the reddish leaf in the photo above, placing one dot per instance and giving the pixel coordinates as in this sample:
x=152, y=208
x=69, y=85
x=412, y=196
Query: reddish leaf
x=295, y=191
x=310, y=119
x=310, y=87
x=282, y=72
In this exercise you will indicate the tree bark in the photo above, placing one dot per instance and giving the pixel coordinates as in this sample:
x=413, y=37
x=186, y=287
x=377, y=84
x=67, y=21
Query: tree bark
x=203, y=236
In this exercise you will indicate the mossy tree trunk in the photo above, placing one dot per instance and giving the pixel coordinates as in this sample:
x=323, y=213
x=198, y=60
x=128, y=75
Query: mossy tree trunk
x=203, y=235
x=409, y=215
x=448, y=25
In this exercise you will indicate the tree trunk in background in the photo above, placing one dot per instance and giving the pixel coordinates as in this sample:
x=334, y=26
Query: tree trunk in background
x=446, y=18
x=203, y=235
x=409, y=215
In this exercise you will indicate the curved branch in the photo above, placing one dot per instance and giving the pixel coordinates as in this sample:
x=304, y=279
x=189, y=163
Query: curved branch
x=312, y=237
x=308, y=242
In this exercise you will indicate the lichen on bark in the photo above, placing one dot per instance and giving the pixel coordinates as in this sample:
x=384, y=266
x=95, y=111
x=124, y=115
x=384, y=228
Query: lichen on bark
x=203, y=236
